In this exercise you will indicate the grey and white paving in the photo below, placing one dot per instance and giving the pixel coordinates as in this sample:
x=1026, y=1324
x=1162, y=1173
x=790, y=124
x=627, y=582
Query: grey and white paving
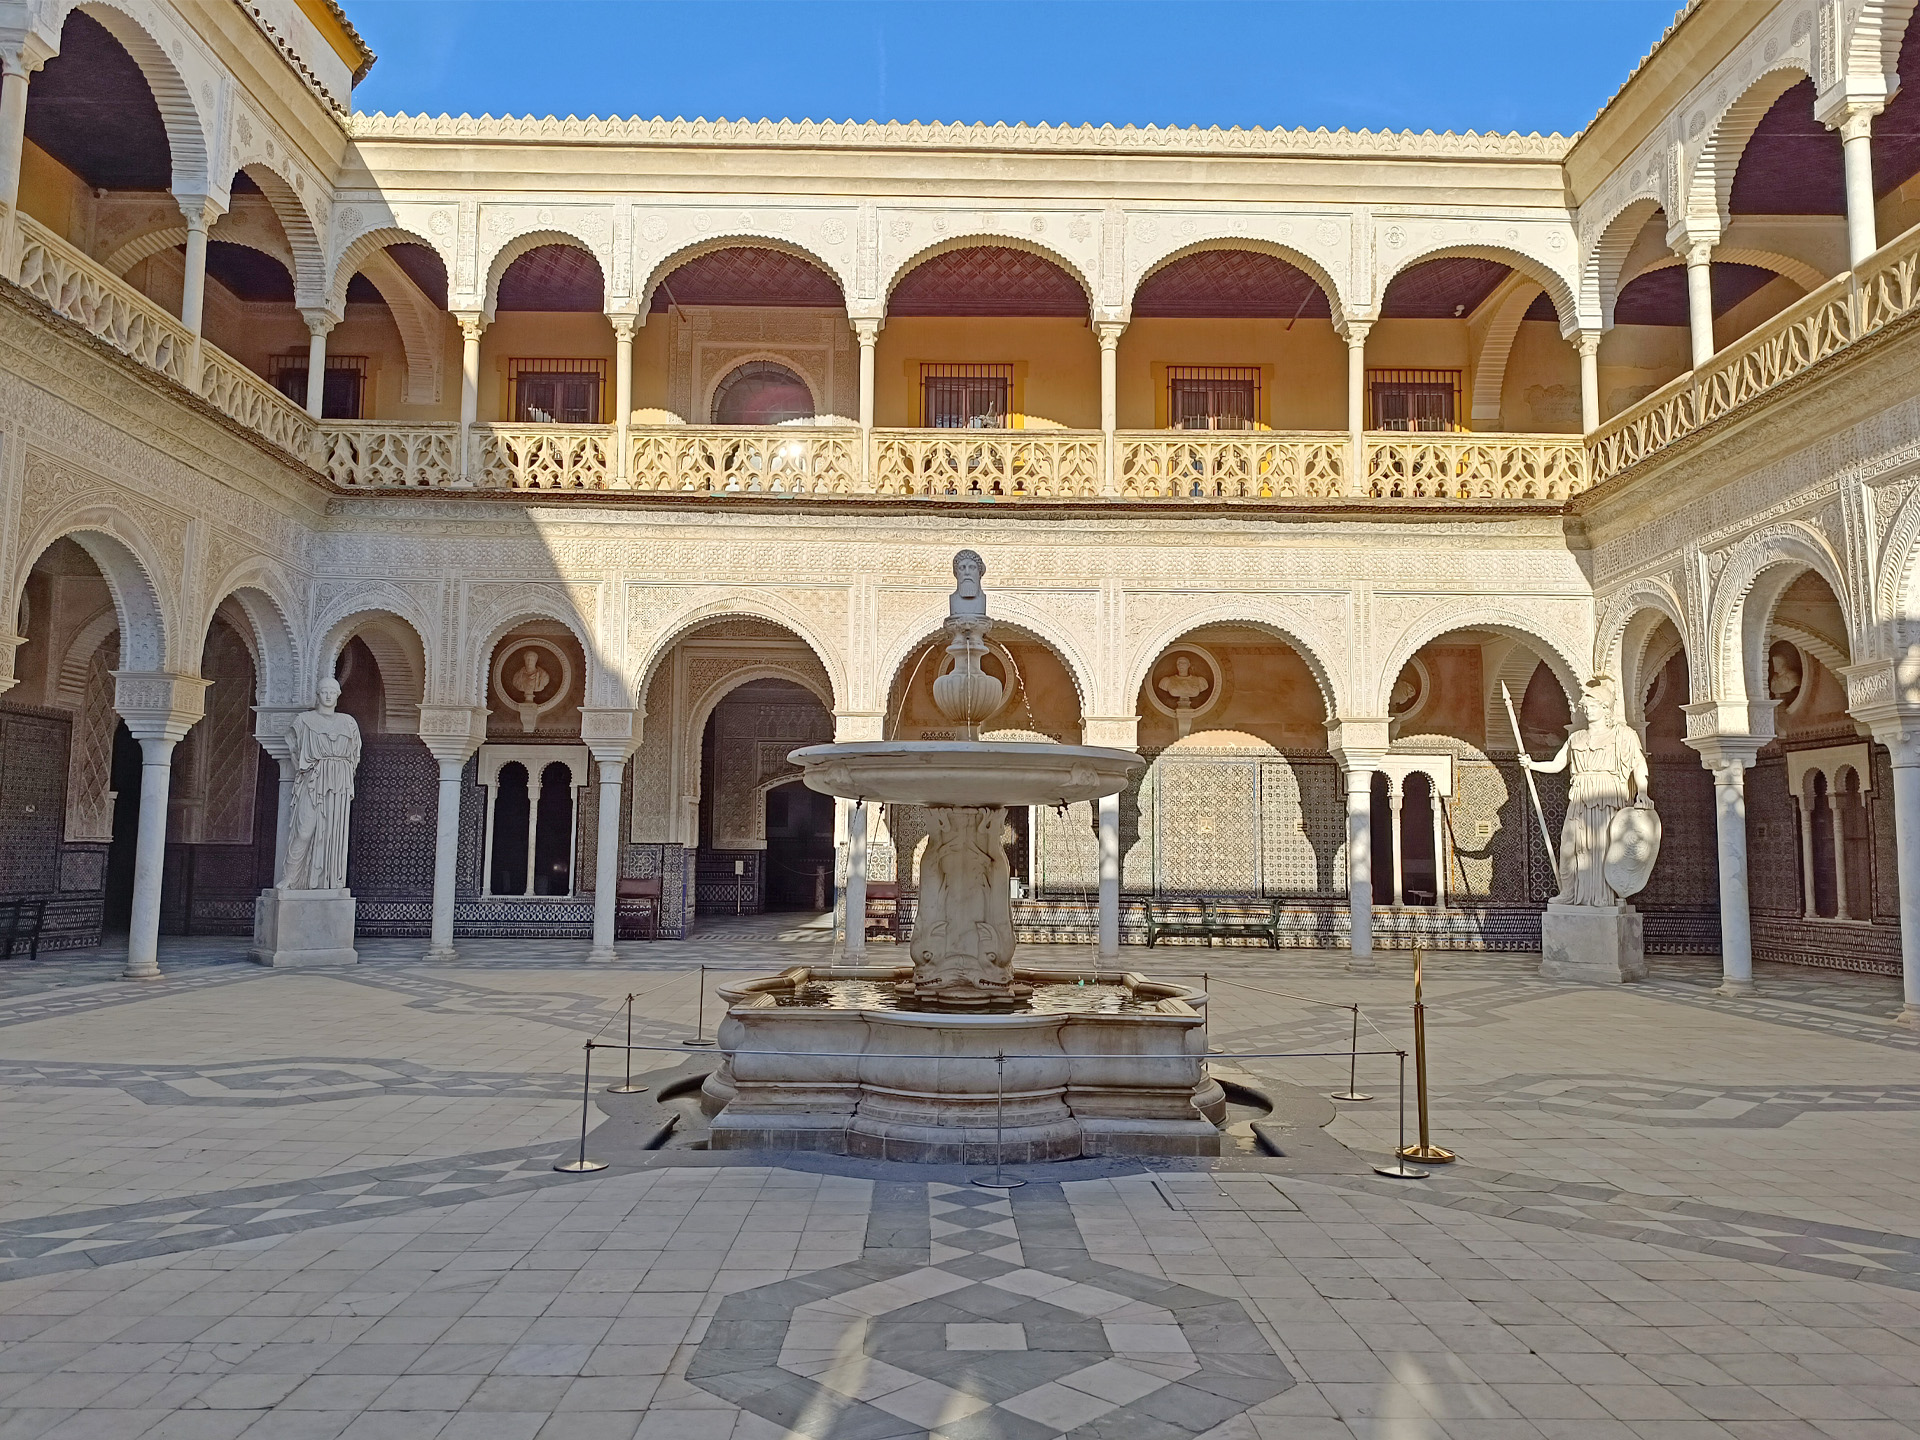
x=320, y=1204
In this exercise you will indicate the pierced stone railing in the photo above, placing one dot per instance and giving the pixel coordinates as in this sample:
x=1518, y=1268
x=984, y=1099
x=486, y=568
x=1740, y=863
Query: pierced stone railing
x=1240, y=465
x=988, y=464
x=240, y=394
x=369, y=455
x=1475, y=466
x=785, y=460
x=543, y=457
x=1821, y=324
x=101, y=303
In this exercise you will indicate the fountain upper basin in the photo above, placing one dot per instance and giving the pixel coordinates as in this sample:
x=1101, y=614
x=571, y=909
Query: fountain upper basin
x=966, y=773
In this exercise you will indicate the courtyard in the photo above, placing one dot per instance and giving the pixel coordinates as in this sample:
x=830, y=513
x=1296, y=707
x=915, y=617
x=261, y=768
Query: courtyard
x=300, y=1205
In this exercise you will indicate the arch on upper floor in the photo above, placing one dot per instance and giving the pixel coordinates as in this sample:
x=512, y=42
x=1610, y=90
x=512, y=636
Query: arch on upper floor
x=1514, y=624
x=1559, y=288
x=187, y=140
x=129, y=562
x=511, y=250
x=1025, y=614
x=1710, y=182
x=1872, y=47
x=890, y=281
x=1600, y=274
x=745, y=606
x=380, y=617
x=1238, y=611
x=353, y=257
x=309, y=266
x=1298, y=259
x=1510, y=305
x=171, y=237
x=1801, y=273
x=661, y=268
x=1741, y=605
x=262, y=598
x=1627, y=622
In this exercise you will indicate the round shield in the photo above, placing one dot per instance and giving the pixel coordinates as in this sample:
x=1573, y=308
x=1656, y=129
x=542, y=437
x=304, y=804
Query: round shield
x=1633, y=844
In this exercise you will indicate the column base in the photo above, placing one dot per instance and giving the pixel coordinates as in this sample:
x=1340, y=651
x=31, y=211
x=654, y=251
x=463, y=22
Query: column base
x=1734, y=989
x=132, y=974
x=1908, y=1015
x=602, y=954
x=1593, y=944
x=1359, y=962
x=439, y=955
x=304, y=927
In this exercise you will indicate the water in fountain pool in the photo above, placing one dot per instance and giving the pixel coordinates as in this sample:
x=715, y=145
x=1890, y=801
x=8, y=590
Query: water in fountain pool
x=1055, y=999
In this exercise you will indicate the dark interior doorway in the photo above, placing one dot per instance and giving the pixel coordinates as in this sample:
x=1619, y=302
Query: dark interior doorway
x=799, y=848
x=117, y=915
x=511, y=804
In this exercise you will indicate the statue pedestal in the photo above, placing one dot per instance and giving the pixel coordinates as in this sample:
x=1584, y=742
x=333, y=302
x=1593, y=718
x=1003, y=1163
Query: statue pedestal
x=304, y=927
x=1601, y=945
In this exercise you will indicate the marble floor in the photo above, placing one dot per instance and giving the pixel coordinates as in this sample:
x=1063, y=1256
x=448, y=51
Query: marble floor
x=317, y=1204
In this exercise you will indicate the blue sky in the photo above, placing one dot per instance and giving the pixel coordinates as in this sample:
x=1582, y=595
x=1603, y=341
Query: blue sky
x=1412, y=64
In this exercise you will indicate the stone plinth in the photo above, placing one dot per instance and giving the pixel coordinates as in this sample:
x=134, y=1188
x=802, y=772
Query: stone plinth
x=304, y=927
x=1599, y=944
x=925, y=1086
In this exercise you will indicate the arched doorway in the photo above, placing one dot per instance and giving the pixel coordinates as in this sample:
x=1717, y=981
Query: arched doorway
x=761, y=392
x=799, y=829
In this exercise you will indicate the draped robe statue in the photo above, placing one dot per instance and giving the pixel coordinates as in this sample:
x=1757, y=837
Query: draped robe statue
x=1608, y=774
x=324, y=750
x=963, y=938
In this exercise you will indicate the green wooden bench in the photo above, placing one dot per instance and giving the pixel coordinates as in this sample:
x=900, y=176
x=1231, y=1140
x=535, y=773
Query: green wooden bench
x=1212, y=923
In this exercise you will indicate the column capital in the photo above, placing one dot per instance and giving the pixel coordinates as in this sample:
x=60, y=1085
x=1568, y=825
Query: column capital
x=851, y=725
x=1108, y=332
x=1884, y=696
x=270, y=724
x=157, y=704
x=473, y=323
x=625, y=323
x=8, y=644
x=1587, y=342
x=1117, y=732
x=452, y=733
x=201, y=210
x=24, y=52
x=1358, y=741
x=866, y=328
x=1728, y=736
x=612, y=733
x=1353, y=329
x=1852, y=105
x=320, y=320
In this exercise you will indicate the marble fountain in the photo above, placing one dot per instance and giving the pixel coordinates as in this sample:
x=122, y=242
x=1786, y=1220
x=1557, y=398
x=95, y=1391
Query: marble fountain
x=962, y=1055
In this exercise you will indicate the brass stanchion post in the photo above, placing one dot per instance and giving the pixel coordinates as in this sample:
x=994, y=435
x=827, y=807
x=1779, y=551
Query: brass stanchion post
x=1353, y=1091
x=627, y=1087
x=582, y=1165
x=1400, y=1170
x=700, y=1013
x=998, y=1181
x=1426, y=1150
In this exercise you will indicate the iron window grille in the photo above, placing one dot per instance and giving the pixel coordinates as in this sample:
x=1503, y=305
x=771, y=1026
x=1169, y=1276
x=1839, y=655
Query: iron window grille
x=342, y=389
x=1213, y=397
x=557, y=392
x=1414, y=399
x=966, y=396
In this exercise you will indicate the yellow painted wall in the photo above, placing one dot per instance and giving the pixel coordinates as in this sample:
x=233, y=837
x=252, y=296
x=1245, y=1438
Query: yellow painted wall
x=1637, y=359
x=1765, y=303
x=1542, y=389
x=1056, y=377
x=1419, y=345
x=52, y=194
x=531, y=334
x=651, y=352
x=1303, y=384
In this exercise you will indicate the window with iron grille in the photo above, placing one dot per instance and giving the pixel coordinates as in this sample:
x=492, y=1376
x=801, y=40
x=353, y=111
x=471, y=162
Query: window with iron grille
x=966, y=397
x=1414, y=399
x=557, y=392
x=342, y=389
x=1213, y=397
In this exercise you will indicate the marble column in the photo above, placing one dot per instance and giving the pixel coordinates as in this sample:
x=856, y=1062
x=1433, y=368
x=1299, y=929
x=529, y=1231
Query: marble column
x=606, y=855
x=1730, y=825
x=1356, y=337
x=1804, y=804
x=624, y=327
x=319, y=322
x=1395, y=799
x=472, y=325
x=452, y=734
x=158, y=708
x=1359, y=781
x=1588, y=344
x=1439, y=850
x=867, y=332
x=1699, y=257
x=1904, y=751
x=17, y=73
x=1108, y=807
x=855, y=949
x=1109, y=336
x=1856, y=153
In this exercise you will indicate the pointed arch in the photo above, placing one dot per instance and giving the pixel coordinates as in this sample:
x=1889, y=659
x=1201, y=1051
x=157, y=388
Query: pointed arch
x=1600, y=276
x=1749, y=588
x=1239, y=610
x=1559, y=288
x=1298, y=259
x=739, y=607
x=891, y=281
x=1710, y=184
x=186, y=129
x=519, y=245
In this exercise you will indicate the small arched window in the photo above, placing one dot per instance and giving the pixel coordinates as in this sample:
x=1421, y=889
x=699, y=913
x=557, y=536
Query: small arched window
x=762, y=392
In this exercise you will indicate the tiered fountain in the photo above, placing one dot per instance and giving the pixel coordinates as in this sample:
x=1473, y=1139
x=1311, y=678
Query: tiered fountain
x=961, y=1056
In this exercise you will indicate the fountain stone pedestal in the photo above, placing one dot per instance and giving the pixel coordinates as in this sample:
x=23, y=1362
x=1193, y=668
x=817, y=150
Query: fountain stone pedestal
x=934, y=1061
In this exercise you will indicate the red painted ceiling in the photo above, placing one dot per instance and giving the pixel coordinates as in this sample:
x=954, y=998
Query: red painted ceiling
x=1659, y=297
x=1437, y=289
x=747, y=275
x=247, y=273
x=552, y=277
x=89, y=107
x=988, y=280
x=1231, y=285
x=424, y=267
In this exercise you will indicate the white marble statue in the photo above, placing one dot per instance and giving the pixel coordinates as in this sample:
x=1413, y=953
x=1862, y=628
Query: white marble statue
x=1608, y=776
x=968, y=600
x=963, y=936
x=324, y=749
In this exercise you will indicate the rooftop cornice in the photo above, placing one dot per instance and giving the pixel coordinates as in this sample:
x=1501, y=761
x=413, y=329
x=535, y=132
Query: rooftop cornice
x=1679, y=18
x=915, y=135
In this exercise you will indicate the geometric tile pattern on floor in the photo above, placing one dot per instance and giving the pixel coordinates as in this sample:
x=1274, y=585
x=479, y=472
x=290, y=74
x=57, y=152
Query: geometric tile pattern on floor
x=297, y=1080
x=978, y=1315
x=1689, y=1106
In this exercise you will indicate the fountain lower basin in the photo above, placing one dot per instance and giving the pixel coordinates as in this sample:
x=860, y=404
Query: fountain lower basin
x=1121, y=1077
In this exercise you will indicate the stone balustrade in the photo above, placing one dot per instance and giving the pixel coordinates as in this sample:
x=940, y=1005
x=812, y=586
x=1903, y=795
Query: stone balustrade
x=1475, y=466
x=735, y=460
x=988, y=464
x=1231, y=465
x=376, y=455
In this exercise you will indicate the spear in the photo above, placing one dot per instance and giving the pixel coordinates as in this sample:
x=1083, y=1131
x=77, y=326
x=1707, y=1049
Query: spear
x=1539, y=814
